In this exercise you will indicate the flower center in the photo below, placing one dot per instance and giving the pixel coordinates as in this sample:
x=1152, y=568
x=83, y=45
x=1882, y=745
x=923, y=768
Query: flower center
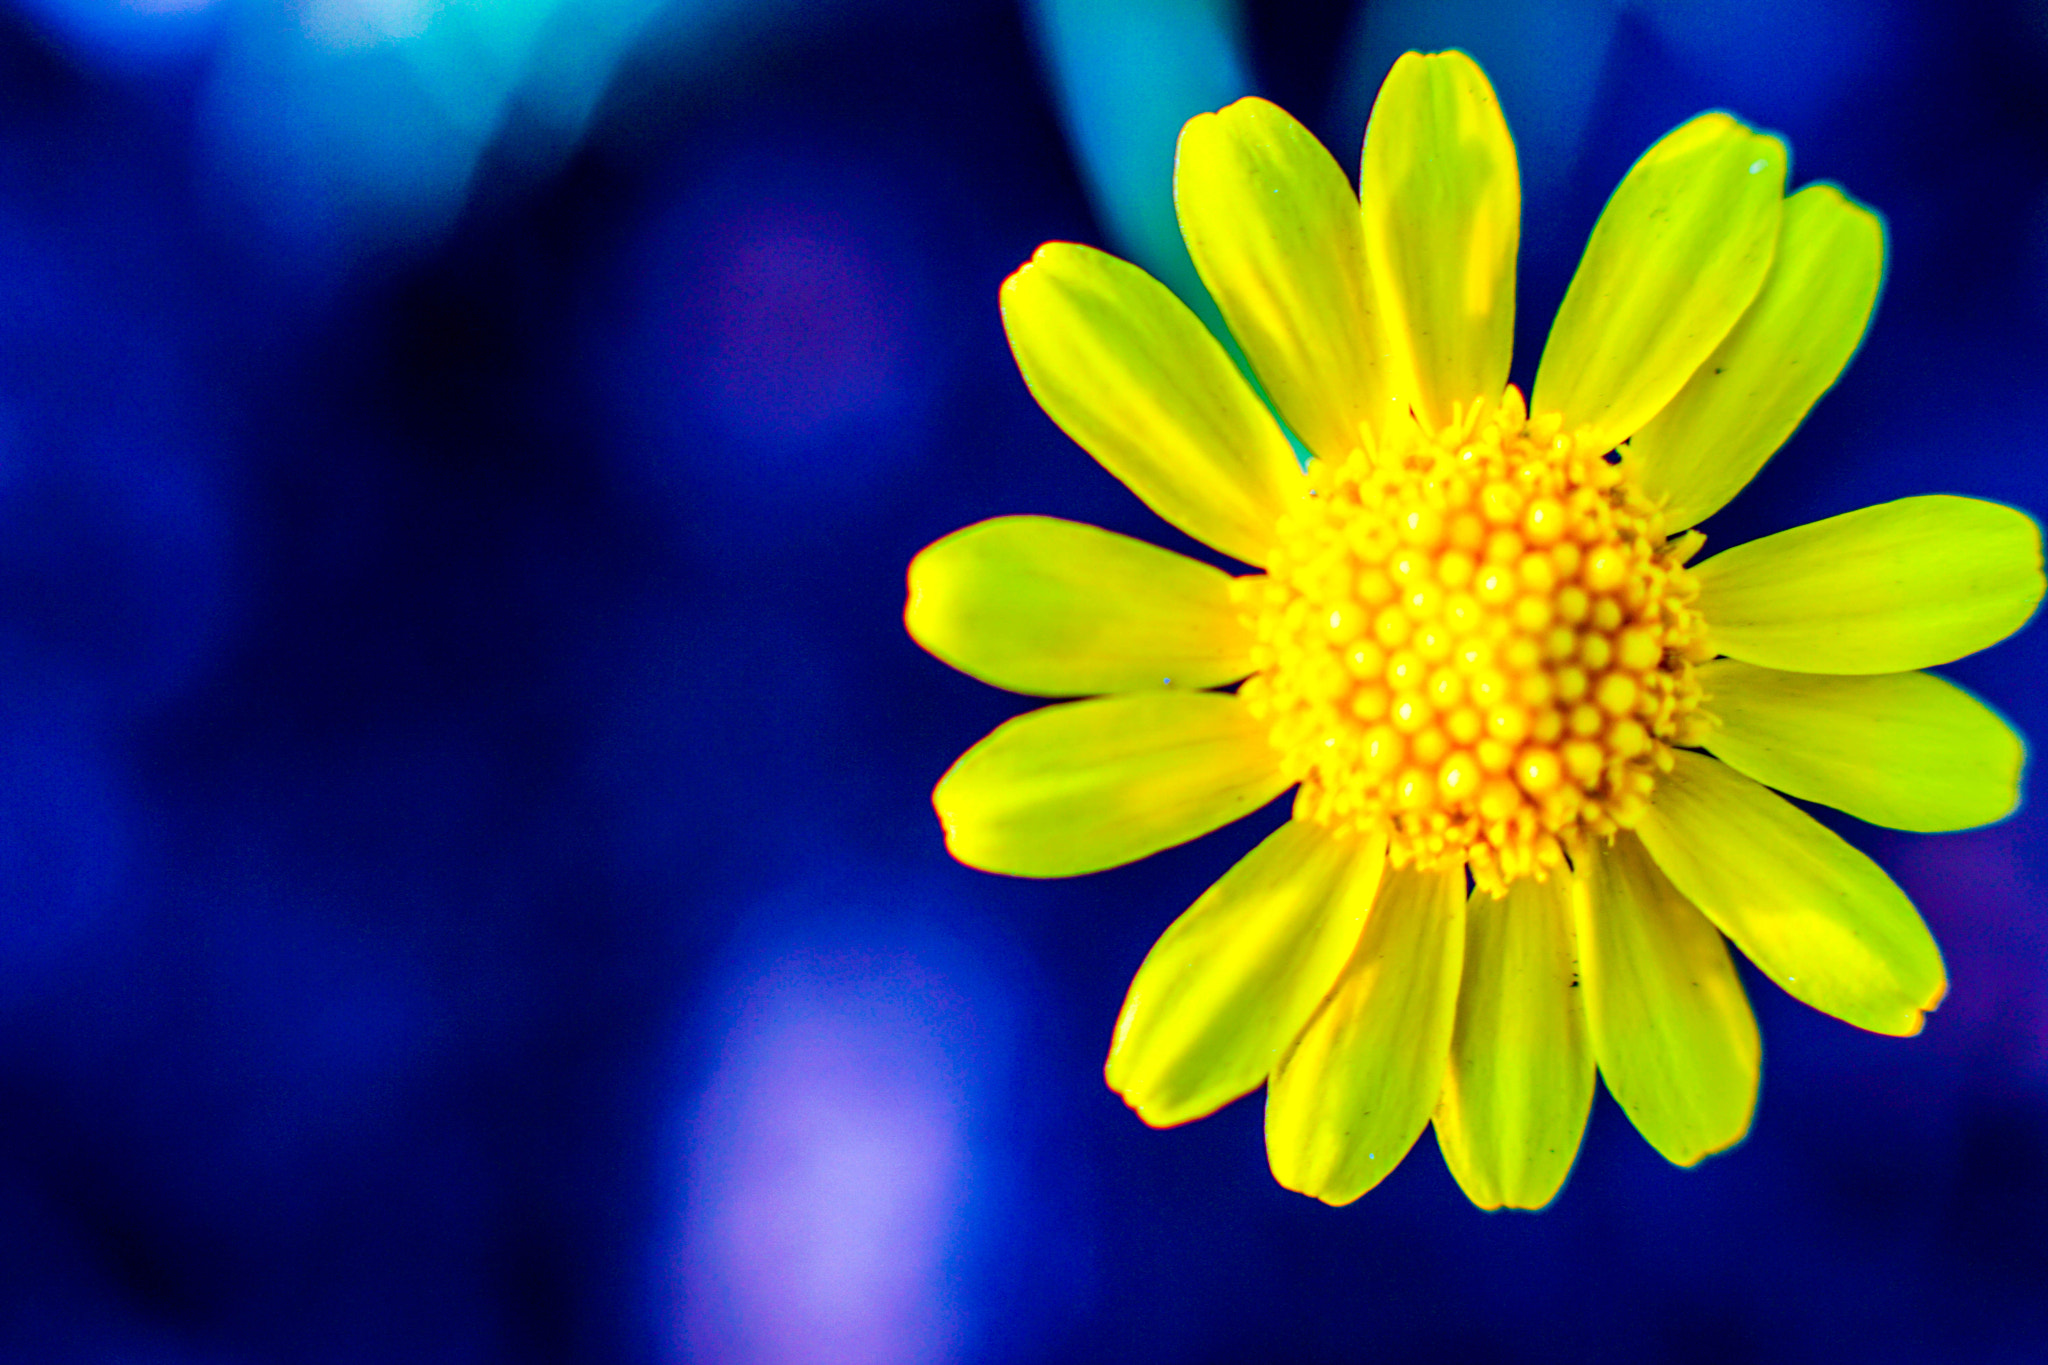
x=1476, y=639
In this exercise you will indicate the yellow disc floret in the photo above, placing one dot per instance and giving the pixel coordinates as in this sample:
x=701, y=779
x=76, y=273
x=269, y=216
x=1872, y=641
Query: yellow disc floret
x=1477, y=640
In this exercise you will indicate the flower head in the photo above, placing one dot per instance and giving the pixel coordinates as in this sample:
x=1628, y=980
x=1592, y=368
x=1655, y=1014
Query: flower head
x=1531, y=740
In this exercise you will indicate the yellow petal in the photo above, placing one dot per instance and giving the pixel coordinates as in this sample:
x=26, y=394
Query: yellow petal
x=1520, y=1082
x=1355, y=1091
x=1678, y=253
x=1907, y=750
x=1058, y=609
x=1134, y=377
x=1885, y=589
x=1092, y=784
x=1671, y=1028
x=1273, y=227
x=1443, y=214
x=1231, y=981
x=1812, y=913
x=1742, y=404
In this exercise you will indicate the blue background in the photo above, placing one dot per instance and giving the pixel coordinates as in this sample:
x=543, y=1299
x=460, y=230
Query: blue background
x=467, y=887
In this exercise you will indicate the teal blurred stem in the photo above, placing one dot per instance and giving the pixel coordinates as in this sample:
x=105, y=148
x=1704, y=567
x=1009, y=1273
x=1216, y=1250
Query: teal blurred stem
x=1126, y=75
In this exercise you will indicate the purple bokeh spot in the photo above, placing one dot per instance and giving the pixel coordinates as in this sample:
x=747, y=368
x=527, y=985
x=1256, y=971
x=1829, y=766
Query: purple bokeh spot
x=766, y=344
x=828, y=1170
x=803, y=330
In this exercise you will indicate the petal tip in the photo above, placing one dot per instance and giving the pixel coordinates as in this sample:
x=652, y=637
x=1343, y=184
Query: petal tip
x=1459, y=62
x=1531, y=1204
x=1935, y=996
x=1192, y=133
x=1050, y=255
x=1693, y=1154
x=1316, y=1189
x=920, y=596
x=1909, y=1022
x=1018, y=278
x=1248, y=106
x=958, y=831
x=1156, y=1116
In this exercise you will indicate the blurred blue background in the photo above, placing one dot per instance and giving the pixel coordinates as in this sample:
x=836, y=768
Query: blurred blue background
x=467, y=887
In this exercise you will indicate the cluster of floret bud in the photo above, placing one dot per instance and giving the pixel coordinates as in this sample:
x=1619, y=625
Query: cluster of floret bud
x=1476, y=640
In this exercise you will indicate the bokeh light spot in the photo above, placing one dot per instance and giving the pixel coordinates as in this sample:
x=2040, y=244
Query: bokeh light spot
x=767, y=344
x=829, y=1167
x=804, y=334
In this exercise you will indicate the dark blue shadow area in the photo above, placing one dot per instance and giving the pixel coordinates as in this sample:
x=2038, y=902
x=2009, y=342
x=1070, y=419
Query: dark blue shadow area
x=468, y=885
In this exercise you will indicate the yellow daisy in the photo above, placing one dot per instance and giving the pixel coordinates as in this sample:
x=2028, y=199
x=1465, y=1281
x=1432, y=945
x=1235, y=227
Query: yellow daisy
x=1532, y=743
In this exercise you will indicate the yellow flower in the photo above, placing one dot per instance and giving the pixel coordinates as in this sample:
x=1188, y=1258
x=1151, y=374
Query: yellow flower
x=1477, y=647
